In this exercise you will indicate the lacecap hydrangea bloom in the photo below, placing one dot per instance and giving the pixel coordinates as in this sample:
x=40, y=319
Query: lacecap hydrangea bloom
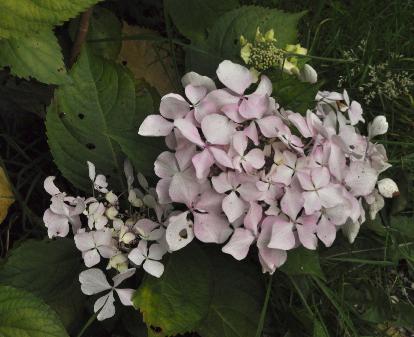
x=249, y=172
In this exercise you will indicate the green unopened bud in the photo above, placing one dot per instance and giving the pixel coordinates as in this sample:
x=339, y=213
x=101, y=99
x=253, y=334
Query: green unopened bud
x=296, y=49
x=245, y=52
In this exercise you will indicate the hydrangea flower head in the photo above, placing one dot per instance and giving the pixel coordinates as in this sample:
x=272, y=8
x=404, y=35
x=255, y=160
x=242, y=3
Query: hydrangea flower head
x=249, y=172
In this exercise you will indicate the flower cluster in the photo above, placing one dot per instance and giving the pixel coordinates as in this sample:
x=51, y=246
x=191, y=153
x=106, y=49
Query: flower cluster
x=250, y=172
x=263, y=53
x=104, y=230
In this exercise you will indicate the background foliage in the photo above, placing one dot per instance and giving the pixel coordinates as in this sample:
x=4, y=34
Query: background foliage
x=56, y=114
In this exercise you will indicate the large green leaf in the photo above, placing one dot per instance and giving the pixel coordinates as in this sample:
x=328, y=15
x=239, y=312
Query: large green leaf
x=25, y=17
x=49, y=270
x=237, y=299
x=293, y=94
x=103, y=24
x=203, y=291
x=96, y=118
x=223, y=40
x=38, y=56
x=24, y=315
x=302, y=261
x=193, y=18
x=178, y=301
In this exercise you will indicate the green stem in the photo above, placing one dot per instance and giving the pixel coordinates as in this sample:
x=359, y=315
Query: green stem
x=264, y=308
x=87, y=324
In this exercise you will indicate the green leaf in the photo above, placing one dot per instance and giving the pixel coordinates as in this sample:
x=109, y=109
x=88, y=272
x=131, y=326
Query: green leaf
x=178, y=301
x=103, y=24
x=23, y=314
x=96, y=118
x=49, y=270
x=38, y=56
x=203, y=291
x=223, y=40
x=404, y=225
x=193, y=18
x=319, y=330
x=302, y=261
x=237, y=299
x=293, y=94
x=24, y=17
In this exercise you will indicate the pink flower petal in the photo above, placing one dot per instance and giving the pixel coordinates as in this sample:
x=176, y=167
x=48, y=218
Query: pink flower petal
x=239, y=243
x=221, y=157
x=270, y=126
x=217, y=129
x=326, y=232
x=282, y=234
x=195, y=93
x=211, y=228
x=251, y=133
x=292, y=202
x=189, y=131
x=202, y=162
x=155, y=125
x=254, y=107
x=184, y=187
x=221, y=183
x=253, y=217
x=173, y=107
x=166, y=165
x=233, y=206
x=255, y=158
x=234, y=76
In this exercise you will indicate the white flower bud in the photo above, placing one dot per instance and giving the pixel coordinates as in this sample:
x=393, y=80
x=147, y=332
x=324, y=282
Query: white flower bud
x=388, y=188
x=111, y=212
x=118, y=262
x=111, y=198
x=308, y=74
x=134, y=200
x=378, y=126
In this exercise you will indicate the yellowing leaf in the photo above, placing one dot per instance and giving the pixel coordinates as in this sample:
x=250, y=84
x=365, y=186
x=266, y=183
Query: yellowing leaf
x=6, y=195
x=146, y=59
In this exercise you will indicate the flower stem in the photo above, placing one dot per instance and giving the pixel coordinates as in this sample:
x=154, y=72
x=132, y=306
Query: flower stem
x=87, y=324
x=259, y=330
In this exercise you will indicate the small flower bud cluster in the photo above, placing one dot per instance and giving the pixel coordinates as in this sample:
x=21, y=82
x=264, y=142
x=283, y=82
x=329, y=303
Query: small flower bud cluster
x=110, y=236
